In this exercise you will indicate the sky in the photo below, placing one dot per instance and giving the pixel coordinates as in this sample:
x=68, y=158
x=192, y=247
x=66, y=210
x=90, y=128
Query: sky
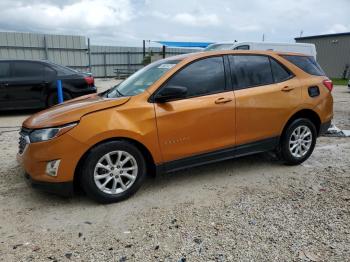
x=128, y=22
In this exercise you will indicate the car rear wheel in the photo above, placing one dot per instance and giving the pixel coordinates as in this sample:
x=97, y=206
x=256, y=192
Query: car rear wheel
x=113, y=171
x=298, y=141
x=52, y=99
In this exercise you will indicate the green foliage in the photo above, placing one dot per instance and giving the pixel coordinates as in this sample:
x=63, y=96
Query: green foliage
x=340, y=82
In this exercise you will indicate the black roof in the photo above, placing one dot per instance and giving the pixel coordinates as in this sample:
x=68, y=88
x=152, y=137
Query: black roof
x=321, y=36
x=26, y=60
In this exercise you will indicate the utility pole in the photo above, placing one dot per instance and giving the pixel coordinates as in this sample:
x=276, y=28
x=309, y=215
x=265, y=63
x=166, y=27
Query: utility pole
x=263, y=37
x=301, y=33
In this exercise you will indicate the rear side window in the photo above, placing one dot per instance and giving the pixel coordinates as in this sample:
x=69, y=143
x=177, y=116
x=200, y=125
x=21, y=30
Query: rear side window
x=4, y=69
x=213, y=47
x=62, y=70
x=242, y=47
x=306, y=63
x=49, y=72
x=279, y=73
x=203, y=77
x=27, y=69
x=250, y=70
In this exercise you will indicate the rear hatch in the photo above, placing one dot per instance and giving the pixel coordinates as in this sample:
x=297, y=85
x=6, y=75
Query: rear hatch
x=310, y=66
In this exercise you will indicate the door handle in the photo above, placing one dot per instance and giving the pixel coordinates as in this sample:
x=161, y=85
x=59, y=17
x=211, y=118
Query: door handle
x=222, y=100
x=287, y=88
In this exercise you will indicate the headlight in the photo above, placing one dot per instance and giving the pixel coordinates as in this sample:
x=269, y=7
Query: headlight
x=45, y=134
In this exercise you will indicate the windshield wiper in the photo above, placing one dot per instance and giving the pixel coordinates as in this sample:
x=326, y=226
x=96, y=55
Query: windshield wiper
x=119, y=93
x=109, y=91
x=112, y=90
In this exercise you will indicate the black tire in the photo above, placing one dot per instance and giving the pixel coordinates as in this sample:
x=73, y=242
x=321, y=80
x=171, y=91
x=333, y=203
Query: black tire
x=284, y=151
x=52, y=98
x=95, y=155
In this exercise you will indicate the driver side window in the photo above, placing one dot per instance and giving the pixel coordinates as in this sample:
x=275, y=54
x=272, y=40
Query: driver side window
x=202, y=77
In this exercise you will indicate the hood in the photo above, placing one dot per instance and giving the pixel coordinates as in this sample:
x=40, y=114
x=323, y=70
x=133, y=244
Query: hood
x=71, y=111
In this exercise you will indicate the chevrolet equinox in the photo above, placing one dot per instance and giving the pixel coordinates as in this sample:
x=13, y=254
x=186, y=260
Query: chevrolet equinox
x=177, y=113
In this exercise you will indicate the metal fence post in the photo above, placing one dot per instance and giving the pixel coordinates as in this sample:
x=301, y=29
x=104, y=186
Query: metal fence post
x=46, y=48
x=89, y=55
x=143, y=49
x=105, y=65
x=128, y=59
x=163, y=51
x=59, y=91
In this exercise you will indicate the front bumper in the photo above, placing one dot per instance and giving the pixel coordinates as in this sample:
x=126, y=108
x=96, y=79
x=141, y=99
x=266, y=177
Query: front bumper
x=65, y=189
x=35, y=156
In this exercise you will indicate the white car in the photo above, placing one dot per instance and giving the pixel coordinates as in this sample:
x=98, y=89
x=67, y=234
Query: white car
x=308, y=49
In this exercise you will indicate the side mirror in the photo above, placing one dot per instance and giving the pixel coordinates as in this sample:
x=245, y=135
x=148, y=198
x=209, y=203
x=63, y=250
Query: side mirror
x=170, y=93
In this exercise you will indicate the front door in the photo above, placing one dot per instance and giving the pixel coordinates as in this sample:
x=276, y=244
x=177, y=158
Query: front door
x=4, y=78
x=25, y=89
x=202, y=122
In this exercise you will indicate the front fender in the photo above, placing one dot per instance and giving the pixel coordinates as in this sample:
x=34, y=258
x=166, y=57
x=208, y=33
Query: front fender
x=133, y=123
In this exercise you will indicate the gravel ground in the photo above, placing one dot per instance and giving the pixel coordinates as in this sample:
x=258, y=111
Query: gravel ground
x=247, y=209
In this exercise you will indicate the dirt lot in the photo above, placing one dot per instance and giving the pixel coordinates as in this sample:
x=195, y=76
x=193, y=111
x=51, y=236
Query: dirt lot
x=247, y=209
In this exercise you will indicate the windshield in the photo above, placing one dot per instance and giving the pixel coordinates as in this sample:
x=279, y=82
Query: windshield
x=214, y=47
x=142, y=79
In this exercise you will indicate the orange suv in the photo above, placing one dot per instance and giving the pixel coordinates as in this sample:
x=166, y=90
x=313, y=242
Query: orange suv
x=177, y=113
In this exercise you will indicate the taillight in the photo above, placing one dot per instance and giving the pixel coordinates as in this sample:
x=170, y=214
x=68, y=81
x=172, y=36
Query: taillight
x=329, y=84
x=89, y=80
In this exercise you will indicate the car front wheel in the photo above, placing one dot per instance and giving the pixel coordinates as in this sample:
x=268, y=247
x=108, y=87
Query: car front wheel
x=298, y=141
x=113, y=171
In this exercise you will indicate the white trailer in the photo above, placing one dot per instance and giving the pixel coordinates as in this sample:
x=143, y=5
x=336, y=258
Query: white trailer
x=308, y=49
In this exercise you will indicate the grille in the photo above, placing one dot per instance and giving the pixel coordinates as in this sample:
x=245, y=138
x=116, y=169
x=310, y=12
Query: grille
x=23, y=139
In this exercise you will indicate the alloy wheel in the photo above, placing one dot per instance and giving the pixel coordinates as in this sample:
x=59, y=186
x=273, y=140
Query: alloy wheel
x=300, y=141
x=115, y=172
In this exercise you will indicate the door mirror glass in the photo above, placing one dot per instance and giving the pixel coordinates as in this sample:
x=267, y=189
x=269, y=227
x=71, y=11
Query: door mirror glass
x=170, y=92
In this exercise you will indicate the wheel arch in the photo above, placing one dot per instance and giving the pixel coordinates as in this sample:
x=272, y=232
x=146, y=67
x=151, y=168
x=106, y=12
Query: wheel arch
x=305, y=113
x=150, y=163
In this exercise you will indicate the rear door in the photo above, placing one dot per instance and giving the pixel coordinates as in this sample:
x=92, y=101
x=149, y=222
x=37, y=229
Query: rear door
x=266, y=93
x=4, y=78
x=27, y=83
